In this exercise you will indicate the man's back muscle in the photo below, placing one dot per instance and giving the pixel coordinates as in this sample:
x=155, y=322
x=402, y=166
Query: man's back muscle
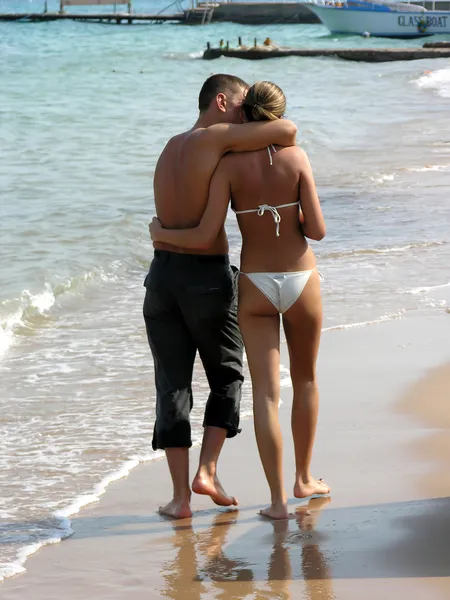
x=181, y=184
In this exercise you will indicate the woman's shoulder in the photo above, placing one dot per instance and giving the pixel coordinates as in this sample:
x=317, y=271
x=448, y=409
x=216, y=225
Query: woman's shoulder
x=296, y=151
x=294, y=154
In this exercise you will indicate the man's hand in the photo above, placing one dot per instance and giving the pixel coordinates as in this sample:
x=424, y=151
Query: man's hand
x=154, y=228
x=250, y=136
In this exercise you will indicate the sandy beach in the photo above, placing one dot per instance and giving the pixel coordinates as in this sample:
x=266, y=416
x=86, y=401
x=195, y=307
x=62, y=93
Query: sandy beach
x=382, y=446
x=87, y=109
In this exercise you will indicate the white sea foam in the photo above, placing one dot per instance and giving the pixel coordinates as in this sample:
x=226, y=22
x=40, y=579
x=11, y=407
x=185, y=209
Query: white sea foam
x=17, y=567
x=424, y=289
x=40, y=302
x=383, y=178
x=285, y=377
x=184, y=55
x=435, y=303
x=438, y=81
x=27, y=304
x=23, y=310
x=391, y=250
x=429, y=168
x=100, y=489
x=7, y=327
x=382, y=319
x=64, y=529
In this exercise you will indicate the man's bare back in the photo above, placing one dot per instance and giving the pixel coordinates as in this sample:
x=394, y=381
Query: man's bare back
x=187, y=164
x=181, y=185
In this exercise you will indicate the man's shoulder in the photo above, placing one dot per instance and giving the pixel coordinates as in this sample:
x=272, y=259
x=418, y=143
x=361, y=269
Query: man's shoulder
x=176, y=139
x=192, y=136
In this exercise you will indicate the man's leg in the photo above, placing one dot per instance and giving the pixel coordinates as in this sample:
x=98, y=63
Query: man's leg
x=180, y=506
x=206, y=481
x=211, y=314
x=174, y=352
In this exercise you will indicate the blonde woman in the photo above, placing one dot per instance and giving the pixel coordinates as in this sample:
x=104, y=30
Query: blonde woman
x=274, y=196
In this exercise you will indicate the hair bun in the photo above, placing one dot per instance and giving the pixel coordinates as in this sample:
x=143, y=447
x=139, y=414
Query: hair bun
x=265, y=102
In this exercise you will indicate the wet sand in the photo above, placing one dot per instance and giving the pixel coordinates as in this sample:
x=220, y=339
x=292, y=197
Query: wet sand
x=383, y=447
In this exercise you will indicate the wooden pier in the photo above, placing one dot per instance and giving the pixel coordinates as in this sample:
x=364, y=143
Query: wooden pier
x=203, y=13
x=118, y=18
x=372, y=55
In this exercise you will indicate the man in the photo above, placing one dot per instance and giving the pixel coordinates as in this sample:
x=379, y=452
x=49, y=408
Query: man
x=190, y=304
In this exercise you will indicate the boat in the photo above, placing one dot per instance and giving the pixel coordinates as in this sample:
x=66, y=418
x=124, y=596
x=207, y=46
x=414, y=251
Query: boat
x=380, y=18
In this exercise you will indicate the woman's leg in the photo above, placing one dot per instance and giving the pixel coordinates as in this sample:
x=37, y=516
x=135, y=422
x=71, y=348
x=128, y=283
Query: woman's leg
x=302, y=325
x=260, y=327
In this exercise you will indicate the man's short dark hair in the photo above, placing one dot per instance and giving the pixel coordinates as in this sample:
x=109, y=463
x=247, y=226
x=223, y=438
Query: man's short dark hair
x=218, y=84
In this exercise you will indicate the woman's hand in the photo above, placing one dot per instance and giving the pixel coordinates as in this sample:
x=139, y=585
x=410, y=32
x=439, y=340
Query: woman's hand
x=154, y=228
x=301, y=217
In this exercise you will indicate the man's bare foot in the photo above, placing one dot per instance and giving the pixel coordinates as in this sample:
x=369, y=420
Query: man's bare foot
x=176, y=509
x=207, y=485
x=311, y=487
x=275, y=511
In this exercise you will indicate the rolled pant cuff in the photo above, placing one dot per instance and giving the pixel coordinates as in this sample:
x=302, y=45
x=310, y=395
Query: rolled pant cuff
x=163, y=445
x=232, y=430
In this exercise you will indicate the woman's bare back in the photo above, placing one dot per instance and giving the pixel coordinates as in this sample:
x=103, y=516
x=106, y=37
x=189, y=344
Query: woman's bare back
x=255, y=182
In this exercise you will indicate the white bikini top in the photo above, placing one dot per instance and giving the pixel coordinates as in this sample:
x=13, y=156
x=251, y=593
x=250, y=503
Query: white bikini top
x=263, y=207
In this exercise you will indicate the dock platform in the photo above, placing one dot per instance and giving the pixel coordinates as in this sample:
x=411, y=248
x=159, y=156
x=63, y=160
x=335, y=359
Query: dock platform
x=371, y=55
x=203, y=13
x=118, y=18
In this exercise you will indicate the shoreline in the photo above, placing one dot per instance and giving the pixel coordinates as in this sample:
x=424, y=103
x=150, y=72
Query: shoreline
x=93, y=496
x=128, y=508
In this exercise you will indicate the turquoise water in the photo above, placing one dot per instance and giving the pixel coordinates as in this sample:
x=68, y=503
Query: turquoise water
x=85, y=110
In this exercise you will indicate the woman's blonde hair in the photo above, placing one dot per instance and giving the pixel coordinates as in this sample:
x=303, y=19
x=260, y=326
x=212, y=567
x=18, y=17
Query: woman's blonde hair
x=264, y=101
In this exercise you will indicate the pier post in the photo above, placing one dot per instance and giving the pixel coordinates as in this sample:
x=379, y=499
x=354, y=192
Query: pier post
x=228, y=45
x=208, y=46
x=255, y=43
x=239, y=41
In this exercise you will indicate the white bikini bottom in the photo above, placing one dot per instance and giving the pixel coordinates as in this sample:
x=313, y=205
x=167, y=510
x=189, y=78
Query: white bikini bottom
x=282, y=289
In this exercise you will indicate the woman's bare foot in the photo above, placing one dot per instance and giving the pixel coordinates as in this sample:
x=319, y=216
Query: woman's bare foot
x=275, y=511
x=176, y=509
x=209, y=485
x=310, y=487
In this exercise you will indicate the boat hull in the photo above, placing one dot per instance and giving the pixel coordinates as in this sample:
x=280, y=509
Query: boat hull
x=382, y=24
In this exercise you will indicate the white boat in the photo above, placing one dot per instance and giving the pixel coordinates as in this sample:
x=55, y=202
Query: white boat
x=381, y=19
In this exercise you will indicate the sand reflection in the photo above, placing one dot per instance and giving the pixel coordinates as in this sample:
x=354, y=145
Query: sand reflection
x=205, y=565
x=201, y=565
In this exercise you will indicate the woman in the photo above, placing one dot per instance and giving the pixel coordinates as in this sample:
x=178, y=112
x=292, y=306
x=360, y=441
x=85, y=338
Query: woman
x=274, y=196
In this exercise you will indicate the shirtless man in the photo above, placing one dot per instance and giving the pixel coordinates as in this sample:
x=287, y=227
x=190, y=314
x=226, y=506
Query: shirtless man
x=191, y=300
